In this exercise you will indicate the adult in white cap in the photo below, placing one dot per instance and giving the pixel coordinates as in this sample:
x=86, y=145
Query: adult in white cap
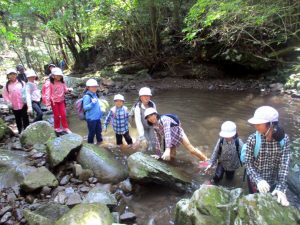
x=12, y=94
x=167, y=127
x=118, y=117
x=33, y=95
x=145, y=131
x=268, y=170
x=226, y=153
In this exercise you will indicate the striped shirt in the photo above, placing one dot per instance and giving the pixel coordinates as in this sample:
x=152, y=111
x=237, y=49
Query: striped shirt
x=271, y=164
x=172, y=135
x=119, y=119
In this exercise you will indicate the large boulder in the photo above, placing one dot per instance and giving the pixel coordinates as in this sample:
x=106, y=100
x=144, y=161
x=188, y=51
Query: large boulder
x=13, y=168
x=37, y=133
x=39, y=178
x=59, y=148
x=294, y=170
x=84, y=214
x=217, y=205
x=144, y=168
x=45, y=214
x=4, y=129
x=102, y=162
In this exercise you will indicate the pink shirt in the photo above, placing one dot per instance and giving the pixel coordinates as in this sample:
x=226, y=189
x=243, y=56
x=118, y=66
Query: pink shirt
x=57, y=91
x=14, y=94
x=46, y=93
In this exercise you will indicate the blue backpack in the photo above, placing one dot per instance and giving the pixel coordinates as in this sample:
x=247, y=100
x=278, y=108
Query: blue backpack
x=174, y=117
x=256, y=148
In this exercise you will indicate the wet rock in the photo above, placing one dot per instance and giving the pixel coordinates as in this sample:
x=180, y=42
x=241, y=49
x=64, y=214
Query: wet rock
x=97, y=195
x=37, y=133
x=46, y=190
x=84, y=213
x=294, y=170
x=217, y=205
x=77, y=169
x=19, y=214
x=11, y=197
x=37, y=155
x=126, y=186
x=69, y=191
x=73, y=199
x=9, y=118
x=45, y=214
x=105, y=167
x=127, y=217
x=144, y=168
x=5, y=210
x=57, y=190
x=4, y=130
x=60, y=198
x=64, y=180
x=39, y=178
x=5, y=217
x=276, y=87
x=59, y=148
x=17, y=145
x=29, y=199
x=116, y=217
x=93, y=180
x=84, y=189
x=85, y=174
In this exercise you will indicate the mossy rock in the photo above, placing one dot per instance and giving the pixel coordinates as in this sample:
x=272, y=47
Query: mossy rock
x=4, y=129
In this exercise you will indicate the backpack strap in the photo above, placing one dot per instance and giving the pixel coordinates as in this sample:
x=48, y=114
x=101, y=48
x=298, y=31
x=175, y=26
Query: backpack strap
x=220, y=146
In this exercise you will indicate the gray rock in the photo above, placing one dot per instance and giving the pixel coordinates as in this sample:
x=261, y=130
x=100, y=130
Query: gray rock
x=97, y=195
x=105, y=167
x=69, y=191
x=126, y=186
x=77, y=169
x=84, y=189
x=83, y=213
x=45, y=214
x=294, y=170
x=5, y=210
x=5, y=217
x=9, y=118
x=76, y=181
x=73, y=199
x=144, y=168
x=4, y=130
x=85, y=174
x=19, y=214
x=39, y=178
x=37, y=133
x=64, y=180
x=59, y=148
x=60, y=198
x=127, y=217
x=17, y=145
x=46, y=190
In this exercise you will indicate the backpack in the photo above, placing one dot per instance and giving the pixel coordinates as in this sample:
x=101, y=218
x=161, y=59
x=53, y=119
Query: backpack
x=237, y=146
x=175, y=118
x=79, y=107
x=256, y=148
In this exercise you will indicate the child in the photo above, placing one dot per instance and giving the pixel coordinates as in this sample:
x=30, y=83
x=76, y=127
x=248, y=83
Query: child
x=268, y=170
x=226, y=153
x=92, y=111
x=33, y=95
x=58, y=89
x=167, y=128
x=12, y=94
x=46, y=87
x=119, y=116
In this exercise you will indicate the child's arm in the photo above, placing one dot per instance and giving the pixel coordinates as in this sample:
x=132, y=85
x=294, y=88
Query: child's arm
x=28, y=97
x=88, y=104
x=215, y=154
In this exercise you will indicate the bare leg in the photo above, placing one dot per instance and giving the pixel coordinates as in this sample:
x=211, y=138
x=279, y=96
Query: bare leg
x=189, y=147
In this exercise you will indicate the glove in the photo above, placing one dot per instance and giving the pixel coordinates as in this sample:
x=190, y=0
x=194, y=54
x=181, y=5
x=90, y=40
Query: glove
x=167, y=154
x=155, y=156
x=281, y=198
x=263, y=186
x=94, y=100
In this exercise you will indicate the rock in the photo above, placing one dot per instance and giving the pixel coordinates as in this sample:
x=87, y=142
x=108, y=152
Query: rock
x=126, y=186
x=59, y=148
x=73, y=199
x=83, y=214
x=84, y=189
x=39, y=178
x=9, y=118
x=144, y=168
x=85, y=174
x=276, y=87
x=46, y=214
x=93, y=180
x=29, y=199
x=64, y=180
x=77, y=169
x=57, y=190
x=5, y=210
x=37, y=155
x=97, y=195
x=46, y=190
x=105, y=167
x=40, y=148
x=19, y=214
x=127, y=217
x=69, y=191
x=294, y=170
x=61, y=198
x=217, y=205
x=5, y=217
x=76, y=181
x=37, y=133
x=4, y=130
x=17, y=145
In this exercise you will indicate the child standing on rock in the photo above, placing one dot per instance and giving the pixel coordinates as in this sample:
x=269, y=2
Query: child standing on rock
x=118, y=115
x=58, y=89
x=226, y=153
x=92, y=111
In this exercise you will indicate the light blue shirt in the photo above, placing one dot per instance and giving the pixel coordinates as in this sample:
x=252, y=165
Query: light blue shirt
x=92, y=110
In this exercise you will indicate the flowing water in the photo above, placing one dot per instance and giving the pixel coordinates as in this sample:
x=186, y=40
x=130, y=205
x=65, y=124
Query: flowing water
x=201, y=114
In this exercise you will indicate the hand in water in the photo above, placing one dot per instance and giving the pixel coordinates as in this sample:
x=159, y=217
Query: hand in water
x=281, y=198
x=167, y=155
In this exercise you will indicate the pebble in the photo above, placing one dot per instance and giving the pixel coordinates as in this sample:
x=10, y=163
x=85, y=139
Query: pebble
x=69, y=191
x=5, y=210
x=76, y=181
x=73, y=199
x=93, y=180
x=65, y=180
x=46, y=190
x=85, y=189
x=18, y=214
x=127, y=217
x=5, y=217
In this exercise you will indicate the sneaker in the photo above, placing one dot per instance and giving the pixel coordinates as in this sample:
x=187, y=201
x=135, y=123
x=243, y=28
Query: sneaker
x=58, y=130
x=68, y=131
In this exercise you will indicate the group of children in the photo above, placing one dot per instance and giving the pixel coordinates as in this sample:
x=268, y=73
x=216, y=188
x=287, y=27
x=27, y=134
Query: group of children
x=266, y=164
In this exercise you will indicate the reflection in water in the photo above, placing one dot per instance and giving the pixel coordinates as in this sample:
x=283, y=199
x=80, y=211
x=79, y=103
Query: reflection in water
x=201, y=113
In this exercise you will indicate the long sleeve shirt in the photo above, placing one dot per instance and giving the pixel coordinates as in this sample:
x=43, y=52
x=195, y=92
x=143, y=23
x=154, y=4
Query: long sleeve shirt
x=140, y=121
x=32, y=93
x=229, y=156
x=172, y=135
x=92, y=109
x=119, y=119
x=14, y=94
x=271, y=164
x=46, y=93
x=57, y=91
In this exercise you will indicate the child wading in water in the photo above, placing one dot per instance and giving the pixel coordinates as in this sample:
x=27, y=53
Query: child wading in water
x=226, y=153
x=92, y=111
x=167, y=128
x=58, y=89
x=118, y=115
x=33, y=95
x=12, y=94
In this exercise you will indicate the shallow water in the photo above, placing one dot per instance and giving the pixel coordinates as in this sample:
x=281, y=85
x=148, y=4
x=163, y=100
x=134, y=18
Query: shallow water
x=201, y=114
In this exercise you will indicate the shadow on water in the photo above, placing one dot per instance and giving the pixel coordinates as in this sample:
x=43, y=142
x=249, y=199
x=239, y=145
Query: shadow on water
x=201, y=113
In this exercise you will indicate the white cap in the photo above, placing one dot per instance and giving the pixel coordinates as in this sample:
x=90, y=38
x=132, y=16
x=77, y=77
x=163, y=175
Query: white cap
x=264, y=114
x=9, y=71
x=228, y=129
x=149, y=111
x=119, y=97
x=145, y=91
x=91, y=83
x=30, y=73
x=57, y=71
